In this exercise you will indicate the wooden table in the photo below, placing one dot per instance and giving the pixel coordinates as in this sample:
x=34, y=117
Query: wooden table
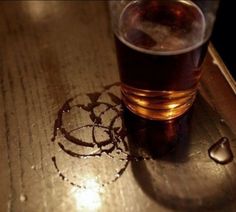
x=57, y=61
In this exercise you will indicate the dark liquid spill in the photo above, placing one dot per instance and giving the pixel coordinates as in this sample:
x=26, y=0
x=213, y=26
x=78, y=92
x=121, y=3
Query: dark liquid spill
x=77, y=155
x=221, y=152
x=115, y=134
x=116, y=141
x=94, y=96
x=62, y=176
x=74, y=140
x=89, y=108
x=58, y=122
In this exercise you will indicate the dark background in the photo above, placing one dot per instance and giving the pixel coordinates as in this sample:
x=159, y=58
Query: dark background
x=224, y=35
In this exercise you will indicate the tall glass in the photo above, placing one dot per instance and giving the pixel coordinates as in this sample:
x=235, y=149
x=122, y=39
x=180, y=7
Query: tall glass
x=161, y=45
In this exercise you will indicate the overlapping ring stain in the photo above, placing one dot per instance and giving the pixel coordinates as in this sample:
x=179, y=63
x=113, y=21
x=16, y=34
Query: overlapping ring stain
x=114, y=140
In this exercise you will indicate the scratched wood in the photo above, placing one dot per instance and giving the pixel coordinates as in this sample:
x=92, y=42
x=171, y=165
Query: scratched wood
x=53, y=51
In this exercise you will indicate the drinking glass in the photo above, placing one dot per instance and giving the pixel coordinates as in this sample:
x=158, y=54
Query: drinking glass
x=160, y=48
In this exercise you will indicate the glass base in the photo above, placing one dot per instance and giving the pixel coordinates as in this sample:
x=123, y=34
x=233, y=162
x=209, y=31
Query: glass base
x=157, y=105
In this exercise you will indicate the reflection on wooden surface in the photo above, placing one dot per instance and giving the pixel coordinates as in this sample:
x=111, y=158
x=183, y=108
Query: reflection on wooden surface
x=101, y=157
x=186, y=179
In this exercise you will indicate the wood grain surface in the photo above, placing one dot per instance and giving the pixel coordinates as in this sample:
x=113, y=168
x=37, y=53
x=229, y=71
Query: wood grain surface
x=54, y=51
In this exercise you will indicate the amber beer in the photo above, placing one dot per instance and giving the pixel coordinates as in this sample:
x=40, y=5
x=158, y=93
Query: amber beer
x=160, y=49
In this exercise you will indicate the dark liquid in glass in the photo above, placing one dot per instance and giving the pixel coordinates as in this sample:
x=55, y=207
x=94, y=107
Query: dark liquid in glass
x=160, y=48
